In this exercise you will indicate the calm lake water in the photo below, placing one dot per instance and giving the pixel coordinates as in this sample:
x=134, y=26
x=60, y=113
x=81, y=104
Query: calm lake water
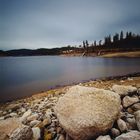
x=24, y=76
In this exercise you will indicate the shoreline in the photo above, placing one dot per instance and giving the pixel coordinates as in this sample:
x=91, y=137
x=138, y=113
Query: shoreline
x=102, y=54
x=63, y=88
x=37, y=112
x=125, y=54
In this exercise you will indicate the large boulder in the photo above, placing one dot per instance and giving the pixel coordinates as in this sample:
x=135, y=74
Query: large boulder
x=86, y=112
x=124, y=90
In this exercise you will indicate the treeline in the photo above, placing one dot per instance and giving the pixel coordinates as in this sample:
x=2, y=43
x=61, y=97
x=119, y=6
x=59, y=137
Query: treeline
x=115, y=43
x=119, y=42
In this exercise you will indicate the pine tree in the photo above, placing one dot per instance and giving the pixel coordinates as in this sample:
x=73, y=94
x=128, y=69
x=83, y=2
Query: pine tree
x=84, y=45
x=116, y=37
x=95, y=43
x=87, y=45
x=100, y=42
x=121, y=35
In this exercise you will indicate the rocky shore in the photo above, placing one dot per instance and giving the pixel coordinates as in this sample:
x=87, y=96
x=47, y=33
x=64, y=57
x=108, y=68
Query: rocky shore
x=103, y=109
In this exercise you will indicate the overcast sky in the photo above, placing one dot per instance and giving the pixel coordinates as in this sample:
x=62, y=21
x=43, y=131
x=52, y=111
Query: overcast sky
x=54, y=23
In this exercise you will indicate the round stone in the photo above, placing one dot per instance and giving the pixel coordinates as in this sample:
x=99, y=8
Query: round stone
x=86, y=112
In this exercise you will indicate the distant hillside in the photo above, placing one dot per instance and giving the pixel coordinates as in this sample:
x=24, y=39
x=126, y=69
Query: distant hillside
x=29, y=52
x=111, y=44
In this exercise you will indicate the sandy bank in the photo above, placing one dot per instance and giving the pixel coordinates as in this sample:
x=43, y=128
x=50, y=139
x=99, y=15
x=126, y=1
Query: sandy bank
x=134, y=54
x=123, y=54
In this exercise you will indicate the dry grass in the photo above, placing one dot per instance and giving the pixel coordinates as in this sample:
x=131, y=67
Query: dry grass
x=123, y=54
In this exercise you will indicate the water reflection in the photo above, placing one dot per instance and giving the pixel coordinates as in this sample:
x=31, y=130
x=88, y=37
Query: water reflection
x=23, y=76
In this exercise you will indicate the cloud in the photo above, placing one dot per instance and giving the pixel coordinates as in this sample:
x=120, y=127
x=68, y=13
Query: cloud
x=52, y=23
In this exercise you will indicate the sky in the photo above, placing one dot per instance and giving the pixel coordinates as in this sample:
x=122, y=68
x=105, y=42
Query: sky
x=35, y=24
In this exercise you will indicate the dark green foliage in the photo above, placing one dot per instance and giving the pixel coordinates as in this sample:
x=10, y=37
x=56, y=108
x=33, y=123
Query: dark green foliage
x=108, y=39
x=116, y=37
x=121, y=35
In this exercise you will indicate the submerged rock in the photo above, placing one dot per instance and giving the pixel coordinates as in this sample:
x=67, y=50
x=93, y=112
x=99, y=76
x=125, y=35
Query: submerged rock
x=86, y=112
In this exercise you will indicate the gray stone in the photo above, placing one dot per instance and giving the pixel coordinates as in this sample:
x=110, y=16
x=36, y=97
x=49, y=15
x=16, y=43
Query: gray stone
x=22, y=110
x=13, y=114
x=34, y=123
x=128, y=115
x=9, y=125
x=130, y=79
x=25, y=115
x=48, y=113
x=61, y=137
x=22, y=133
x=137, y=117
x=128, y=101
x=36, y=133
x=32, y=117
x=86, y=112
x=107, y=137
x=13, y=107
x=123, y=90
x=138, y=91
x=46, y=121
x=2, y=118
x=132, y=135
x=115, y=132
x=122, y=125
x=136, y=107
x=132, y=123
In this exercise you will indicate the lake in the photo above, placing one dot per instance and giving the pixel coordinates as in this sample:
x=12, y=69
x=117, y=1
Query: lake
x=24, y=76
